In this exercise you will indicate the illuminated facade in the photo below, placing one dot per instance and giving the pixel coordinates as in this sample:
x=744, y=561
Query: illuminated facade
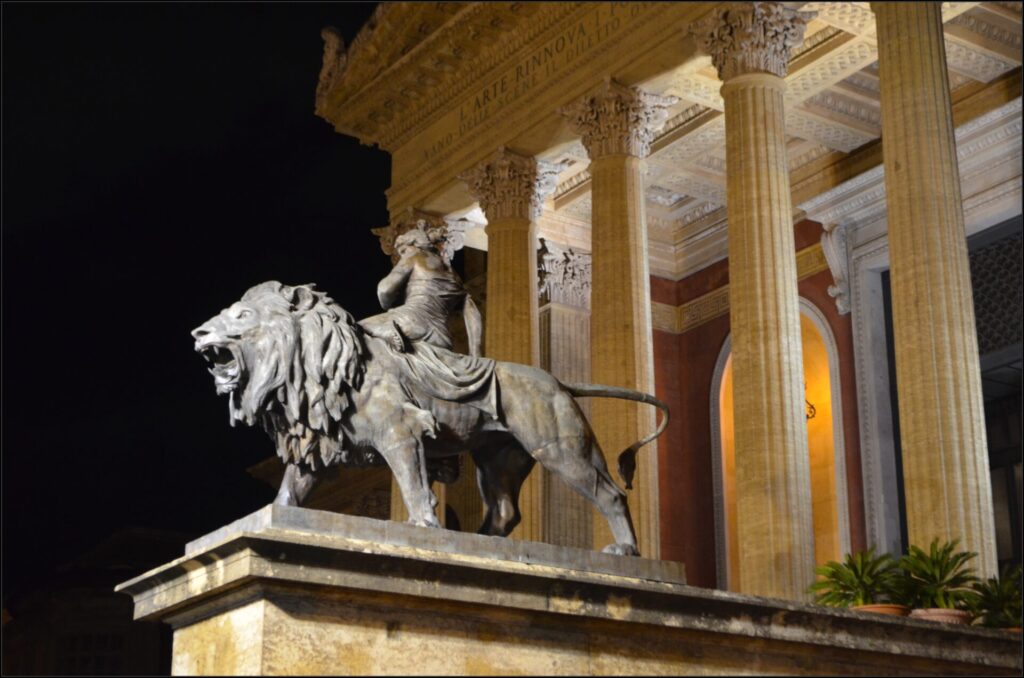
x=668, y=193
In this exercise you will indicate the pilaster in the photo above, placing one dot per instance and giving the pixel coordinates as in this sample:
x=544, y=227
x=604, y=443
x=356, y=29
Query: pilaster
x=750, y=45
x=617, y=125
x=564, y=290
x=942, y=427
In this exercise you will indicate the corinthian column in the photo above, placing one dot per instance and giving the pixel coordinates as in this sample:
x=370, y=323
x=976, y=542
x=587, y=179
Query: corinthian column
x=511, y=190
x=617, y=126
x=942, y=426
x=749, y=44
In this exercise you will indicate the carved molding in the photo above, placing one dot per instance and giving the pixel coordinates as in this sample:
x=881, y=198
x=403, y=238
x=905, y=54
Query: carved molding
x=563, y=275
x=751, y=37
x=447, y=234
x=974, y=63
x=618, y=120
x=696, y=312
x=834, y=247
x=852, y=17
x=833, y=67
x=830, y=133
x=509, y=185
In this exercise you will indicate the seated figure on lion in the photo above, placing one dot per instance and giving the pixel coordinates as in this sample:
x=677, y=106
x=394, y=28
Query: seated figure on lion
x=330, y=391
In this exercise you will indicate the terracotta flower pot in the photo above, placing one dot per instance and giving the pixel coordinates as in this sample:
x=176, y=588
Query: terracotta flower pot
x=883, y=608
x=942, y=615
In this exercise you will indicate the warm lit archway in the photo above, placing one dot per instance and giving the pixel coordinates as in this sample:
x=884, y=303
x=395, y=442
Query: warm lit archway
x=825, y=446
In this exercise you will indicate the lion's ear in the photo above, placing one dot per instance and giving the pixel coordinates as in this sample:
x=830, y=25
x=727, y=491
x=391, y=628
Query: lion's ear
x=300, y=297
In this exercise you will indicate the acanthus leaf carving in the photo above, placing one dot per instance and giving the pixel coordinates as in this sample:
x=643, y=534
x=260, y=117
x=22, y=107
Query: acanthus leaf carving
x=619, y=120
x=510, y=185
x=563, y=275
x=751, y=37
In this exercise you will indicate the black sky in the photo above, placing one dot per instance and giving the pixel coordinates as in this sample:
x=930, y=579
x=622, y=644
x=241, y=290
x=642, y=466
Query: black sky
x=158, y=160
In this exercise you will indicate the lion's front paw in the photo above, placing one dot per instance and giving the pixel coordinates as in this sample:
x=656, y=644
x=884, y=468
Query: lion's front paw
x=621, y=550
x=424, y=522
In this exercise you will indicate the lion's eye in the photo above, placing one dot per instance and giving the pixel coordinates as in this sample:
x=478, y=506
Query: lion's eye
x=244, y=313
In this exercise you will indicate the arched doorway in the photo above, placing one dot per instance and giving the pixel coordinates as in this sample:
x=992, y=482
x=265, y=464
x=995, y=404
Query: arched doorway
x=825, y=446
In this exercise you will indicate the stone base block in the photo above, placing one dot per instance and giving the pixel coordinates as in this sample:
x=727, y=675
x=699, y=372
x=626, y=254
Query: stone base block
x=294, y=591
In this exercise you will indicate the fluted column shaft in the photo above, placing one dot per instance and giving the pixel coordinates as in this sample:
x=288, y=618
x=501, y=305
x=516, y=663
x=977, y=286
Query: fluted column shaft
x=621, y=339
x=510, y=332
x=617, y=125
x=511, y=189
x=942, y=427
x=749, y=44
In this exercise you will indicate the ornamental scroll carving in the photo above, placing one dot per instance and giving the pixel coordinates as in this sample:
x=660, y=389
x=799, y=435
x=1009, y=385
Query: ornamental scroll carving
x=834, y=246
x=509, y=185
x=751, y=37
x=563, y=275
x=618, y=120
x=448, y=234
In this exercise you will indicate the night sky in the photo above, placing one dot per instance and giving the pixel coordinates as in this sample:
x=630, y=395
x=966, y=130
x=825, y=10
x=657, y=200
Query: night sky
x=158, y=160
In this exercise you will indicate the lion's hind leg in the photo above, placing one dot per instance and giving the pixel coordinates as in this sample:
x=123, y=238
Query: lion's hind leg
x=500, y=472
x=579, y=462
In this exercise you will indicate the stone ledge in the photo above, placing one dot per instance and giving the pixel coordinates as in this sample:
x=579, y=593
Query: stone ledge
x=295, y=564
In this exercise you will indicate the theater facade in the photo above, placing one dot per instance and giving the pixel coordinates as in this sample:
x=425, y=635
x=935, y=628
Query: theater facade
x=798, y=224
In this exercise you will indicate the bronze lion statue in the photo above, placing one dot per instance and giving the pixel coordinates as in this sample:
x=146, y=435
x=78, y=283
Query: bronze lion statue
x=295, y=362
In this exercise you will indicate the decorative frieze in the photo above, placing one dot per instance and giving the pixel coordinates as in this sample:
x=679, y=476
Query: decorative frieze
x=448, y=234
x=509, y=185
x=563, y=275
x=694, y=313
x=751, y=37
x=619, y=120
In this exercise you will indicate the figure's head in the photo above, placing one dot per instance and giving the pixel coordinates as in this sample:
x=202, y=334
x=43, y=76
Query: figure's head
x=413, y=240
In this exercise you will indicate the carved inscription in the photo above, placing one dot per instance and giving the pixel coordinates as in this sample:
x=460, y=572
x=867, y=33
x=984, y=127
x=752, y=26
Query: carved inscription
x=604, y=22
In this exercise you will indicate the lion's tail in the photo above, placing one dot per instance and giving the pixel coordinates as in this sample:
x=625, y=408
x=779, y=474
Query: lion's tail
x=627, y=459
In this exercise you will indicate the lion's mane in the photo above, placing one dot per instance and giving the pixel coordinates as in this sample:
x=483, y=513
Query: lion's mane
x=310, y=362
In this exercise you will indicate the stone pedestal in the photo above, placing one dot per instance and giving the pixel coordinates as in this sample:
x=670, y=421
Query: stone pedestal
x=295, y=591
x=749, y=45
x=938, y=377
x=617, y=125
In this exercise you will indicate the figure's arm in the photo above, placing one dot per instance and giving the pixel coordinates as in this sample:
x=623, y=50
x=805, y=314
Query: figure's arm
x=474, y=326
x=391, y=289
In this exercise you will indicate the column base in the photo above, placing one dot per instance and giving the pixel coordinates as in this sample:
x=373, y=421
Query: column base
x=289, y=590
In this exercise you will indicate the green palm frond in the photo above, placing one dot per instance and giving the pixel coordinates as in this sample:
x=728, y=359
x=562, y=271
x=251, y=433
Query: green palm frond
x=861, y=578
x=939, y=578
x=998, y=603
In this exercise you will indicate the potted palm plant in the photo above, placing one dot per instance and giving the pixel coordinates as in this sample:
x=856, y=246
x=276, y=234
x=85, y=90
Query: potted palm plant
x=938, y=584
x=998, y=602
x=863, y=581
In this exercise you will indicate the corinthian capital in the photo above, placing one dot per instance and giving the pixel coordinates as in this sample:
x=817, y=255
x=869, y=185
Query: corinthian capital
x=512, y=185
x=563, y=275
x=618, y=120
x=751, y=37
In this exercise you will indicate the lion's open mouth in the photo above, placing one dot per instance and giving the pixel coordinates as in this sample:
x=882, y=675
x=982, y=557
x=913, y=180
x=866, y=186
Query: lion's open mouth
x=224, y=366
